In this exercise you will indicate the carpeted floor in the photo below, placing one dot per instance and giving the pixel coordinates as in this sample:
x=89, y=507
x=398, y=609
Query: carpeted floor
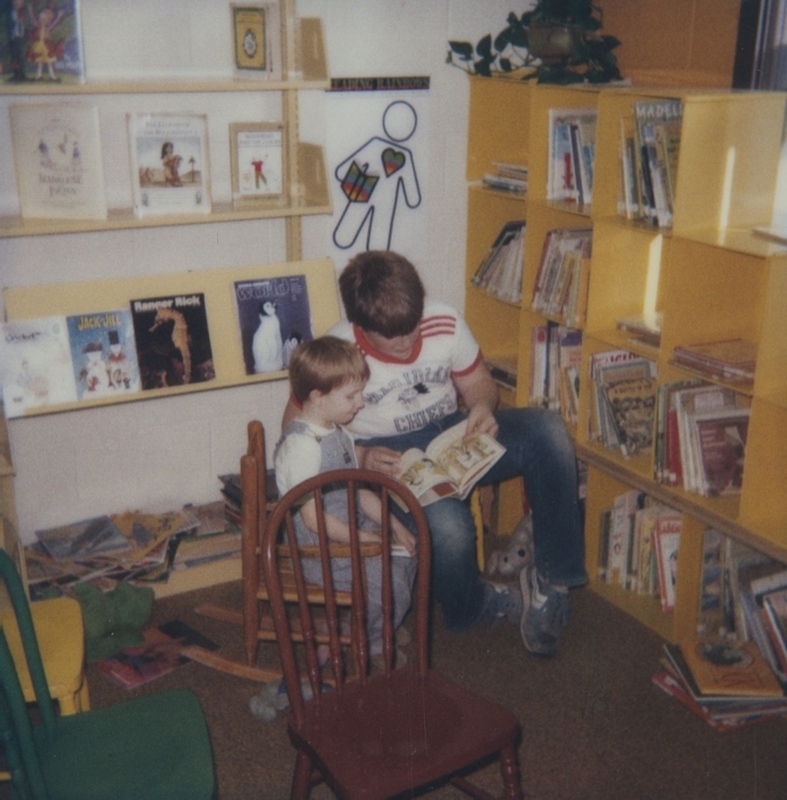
x=593, y=725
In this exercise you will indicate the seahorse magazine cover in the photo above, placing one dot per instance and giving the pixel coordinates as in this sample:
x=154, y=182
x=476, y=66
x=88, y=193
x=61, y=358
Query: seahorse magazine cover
x=103, y=353
x=172, y=340
x=274, y=317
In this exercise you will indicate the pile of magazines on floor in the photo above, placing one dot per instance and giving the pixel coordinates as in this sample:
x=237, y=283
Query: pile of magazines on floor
x=142, y=548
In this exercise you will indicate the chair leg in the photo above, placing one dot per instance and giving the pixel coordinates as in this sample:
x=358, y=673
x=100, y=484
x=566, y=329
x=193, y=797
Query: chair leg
x=301, y=777
x=509, y=768
x=83, y=696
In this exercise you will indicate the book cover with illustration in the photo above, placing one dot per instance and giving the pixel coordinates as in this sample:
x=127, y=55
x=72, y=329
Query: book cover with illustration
x=41, y=41
x=84, y=539
x=35, y=365
x=103, y=353
x=169, y=163
x=172, y=340
x=273, y=318
x=158, y=655
x=57, y=156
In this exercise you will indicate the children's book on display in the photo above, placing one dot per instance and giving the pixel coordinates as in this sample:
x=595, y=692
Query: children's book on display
x=172, y=340
x=170, y=172
x=104, y=354
x=257, y=36
x=41, y=41
x=35, y=365
x=273, y=318
x=57, y=156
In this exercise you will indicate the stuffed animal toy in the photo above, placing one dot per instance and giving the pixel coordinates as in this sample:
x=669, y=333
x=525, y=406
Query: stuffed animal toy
x=509, y=561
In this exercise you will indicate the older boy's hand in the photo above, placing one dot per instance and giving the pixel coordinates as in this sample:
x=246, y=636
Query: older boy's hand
x=481, y=419
x=381, y=459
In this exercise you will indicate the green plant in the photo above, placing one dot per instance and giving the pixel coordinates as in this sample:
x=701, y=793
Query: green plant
x=587, y=57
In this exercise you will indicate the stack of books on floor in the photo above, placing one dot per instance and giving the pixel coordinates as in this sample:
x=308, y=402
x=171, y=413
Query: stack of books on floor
x=727, y=683
x=141, y=548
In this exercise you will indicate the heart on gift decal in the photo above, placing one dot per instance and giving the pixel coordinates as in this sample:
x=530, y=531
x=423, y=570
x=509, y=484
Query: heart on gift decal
x=393, y=161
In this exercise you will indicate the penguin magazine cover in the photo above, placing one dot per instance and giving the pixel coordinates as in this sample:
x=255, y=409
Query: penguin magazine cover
x=173, y=341
x=273, y=318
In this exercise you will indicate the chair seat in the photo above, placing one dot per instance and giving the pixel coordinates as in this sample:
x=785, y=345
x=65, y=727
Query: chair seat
x=88, y=757
x=402, y=732
x=60, y=631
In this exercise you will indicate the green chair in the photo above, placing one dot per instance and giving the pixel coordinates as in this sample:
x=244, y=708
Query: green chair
x=154, y=747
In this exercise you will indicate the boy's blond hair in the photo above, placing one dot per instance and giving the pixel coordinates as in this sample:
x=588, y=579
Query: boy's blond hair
x=325, y=364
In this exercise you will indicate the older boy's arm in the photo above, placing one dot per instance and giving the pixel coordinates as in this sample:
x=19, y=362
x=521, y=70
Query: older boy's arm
x=479, y=391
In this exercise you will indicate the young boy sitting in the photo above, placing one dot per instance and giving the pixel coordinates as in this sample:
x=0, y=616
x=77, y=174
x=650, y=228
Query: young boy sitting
x=327, y=376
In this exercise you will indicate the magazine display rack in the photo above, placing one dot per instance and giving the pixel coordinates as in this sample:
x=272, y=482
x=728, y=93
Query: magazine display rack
x=710, y=276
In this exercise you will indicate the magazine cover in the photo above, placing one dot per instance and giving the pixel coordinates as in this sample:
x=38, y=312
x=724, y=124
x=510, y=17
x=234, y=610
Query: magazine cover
x=169, y=163
x=57, y=156
x=41, y=41
x=103, y=354
x=35, y=365
x=84, y=539
x=172, y=340
x=274, y=317
x=158, y=655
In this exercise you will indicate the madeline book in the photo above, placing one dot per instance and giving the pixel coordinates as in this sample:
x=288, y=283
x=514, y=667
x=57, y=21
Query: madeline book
x=450, y=466
x=57, y=156
x=104, y=354
x=172, y=340
x=35, y=365
x=273, y=317
x=169, y=164
x=41, y=41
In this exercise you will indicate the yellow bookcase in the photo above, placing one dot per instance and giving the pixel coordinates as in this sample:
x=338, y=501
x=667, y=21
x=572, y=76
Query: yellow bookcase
x=710, y=276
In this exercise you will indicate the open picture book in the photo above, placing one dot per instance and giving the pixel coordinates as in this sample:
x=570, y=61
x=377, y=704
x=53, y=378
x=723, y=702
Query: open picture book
x=450, y=466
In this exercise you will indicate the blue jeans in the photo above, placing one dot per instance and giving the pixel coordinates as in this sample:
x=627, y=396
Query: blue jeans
x=539, y=448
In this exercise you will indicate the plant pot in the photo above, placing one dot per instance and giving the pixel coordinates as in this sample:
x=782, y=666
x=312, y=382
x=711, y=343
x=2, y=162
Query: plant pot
x=553, y=43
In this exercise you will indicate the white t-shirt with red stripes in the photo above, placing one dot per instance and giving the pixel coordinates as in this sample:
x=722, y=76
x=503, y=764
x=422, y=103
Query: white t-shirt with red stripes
x=404, y=396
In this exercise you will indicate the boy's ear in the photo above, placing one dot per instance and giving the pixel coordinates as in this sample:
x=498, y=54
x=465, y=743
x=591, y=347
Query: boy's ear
x=315, y=395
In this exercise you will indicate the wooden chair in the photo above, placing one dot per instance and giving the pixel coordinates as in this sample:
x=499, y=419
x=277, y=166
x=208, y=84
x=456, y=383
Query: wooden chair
x=254, y=618
x=387, y=732
x=156, y=746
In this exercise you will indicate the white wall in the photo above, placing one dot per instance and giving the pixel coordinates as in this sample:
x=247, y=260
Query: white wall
x=158, y=454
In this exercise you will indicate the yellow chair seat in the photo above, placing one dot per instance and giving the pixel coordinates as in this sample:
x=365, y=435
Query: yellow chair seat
x=61, y=637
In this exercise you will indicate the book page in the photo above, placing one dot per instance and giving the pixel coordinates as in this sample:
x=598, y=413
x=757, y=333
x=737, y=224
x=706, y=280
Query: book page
x=419, y=473
x=464, y=461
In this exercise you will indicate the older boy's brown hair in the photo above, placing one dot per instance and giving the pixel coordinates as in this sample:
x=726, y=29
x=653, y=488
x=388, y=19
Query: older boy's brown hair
x=325, y=364
x=382, y=293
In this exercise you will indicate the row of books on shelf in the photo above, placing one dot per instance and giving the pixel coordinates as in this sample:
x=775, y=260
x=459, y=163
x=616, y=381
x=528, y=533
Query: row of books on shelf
x=132, y=546
x=561, y=284
x=556, y=355
x=60, y=175
x=649, y=149
x=639, y=540
x=572, y=146
x=507, y=177
x=698, y=430
x=155, y=342
x=700, y=437
x=735, y=672
x=500, y=271
x=43, y=42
